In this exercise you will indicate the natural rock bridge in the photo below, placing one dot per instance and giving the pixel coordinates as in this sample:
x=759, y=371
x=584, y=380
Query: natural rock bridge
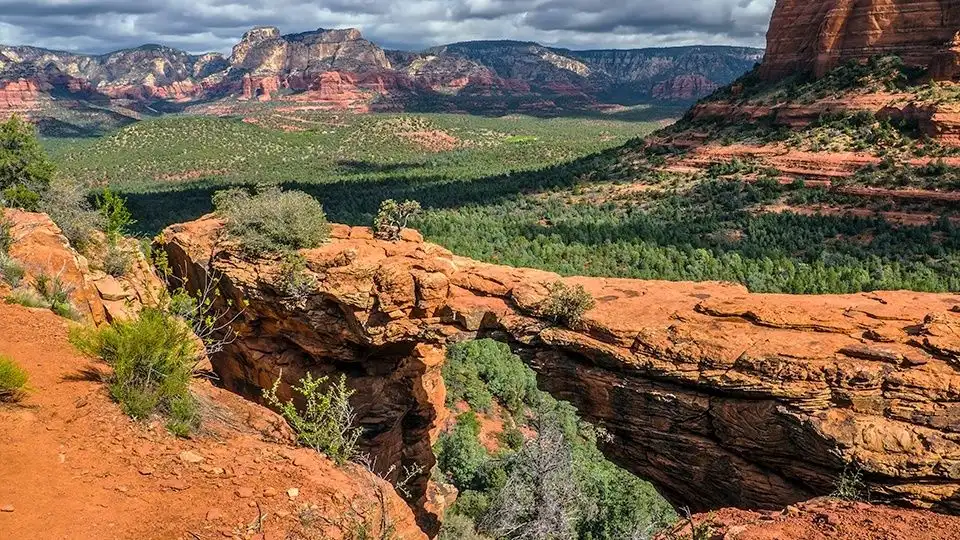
x=718, y=396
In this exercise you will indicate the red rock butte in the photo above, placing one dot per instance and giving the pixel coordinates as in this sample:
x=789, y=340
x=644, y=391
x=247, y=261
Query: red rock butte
x=817, y=36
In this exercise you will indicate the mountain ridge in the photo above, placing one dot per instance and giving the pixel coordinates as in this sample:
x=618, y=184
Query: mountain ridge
x=339, y=69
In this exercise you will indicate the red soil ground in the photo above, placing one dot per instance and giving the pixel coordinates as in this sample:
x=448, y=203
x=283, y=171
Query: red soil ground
x=74, y=467
x=827, y=519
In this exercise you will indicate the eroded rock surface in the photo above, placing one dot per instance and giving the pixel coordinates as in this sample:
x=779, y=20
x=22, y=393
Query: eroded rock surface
x=40, y=247
x=818, y=36
x=720, y=397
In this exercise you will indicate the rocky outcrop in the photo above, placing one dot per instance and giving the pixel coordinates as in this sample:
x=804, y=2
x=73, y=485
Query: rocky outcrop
x=40, y=247
x=20, y=95
x=75, y=466
x=263, y=51
x=622, y=76
x=818, y=36
x=719, y=396
x=685, y=87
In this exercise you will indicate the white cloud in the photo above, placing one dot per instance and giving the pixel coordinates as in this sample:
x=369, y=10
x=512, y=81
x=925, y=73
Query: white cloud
x=215, y=25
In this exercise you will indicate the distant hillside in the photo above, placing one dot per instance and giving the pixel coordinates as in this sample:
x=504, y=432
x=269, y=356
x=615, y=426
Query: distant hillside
x=623, y=76
x=73, y=94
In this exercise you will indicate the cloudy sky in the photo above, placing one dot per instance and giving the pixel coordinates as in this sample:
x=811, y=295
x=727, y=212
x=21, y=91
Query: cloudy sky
x=98, y=26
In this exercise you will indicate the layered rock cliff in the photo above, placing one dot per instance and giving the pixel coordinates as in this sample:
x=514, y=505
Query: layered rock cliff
x=818, y=36
x=339, y=69
x=719, y=396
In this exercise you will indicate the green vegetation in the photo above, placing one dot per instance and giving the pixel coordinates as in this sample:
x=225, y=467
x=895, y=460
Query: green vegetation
x=152, y=359
x=169, y=167
x=859, y=131
x=878, y=74
x=46, y=291
x=13, y=380
x=272, y=220
x=608, y=214
x=476, y=372
x=566, y=305
x=25, y=170
x=6, y=234
x=11, y=271
x=850, y=485
x=554, y=483
x=393, y=217
x=326, y=423
x=294, y=282
x=890, y=173
x=55, y=294
x=704, y=230
x=117, y=219
x=68, y=205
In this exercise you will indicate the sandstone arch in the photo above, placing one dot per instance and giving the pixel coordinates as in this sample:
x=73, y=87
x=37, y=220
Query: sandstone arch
x=718, y=396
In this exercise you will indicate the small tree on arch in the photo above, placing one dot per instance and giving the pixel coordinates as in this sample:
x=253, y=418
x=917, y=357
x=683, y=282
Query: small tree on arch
x=393, y=218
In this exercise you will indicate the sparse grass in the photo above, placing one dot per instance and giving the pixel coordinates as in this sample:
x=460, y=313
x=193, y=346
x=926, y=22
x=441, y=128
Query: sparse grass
x=48, y=292
x=11, y=271
x=153, y=359
x=13, y=380
x=56, y=294
x=850, y=485
x=117, y=261
x=27, y=298
x=272, y=221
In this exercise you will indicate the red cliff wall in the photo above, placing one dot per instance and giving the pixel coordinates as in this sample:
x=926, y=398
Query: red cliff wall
x=817, y=36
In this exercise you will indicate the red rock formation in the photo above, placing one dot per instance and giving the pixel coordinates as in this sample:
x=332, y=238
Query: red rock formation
x=19, y=96
x=819, y=35
x=177, y=91
x=42, y=249
x=720, y=397
x=260, y=88
x=74, y=466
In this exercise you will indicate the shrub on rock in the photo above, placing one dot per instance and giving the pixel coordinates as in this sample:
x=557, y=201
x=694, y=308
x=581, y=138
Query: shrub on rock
x=565, y=304
x=326, y=422
x=272, y=220
x=393, y=217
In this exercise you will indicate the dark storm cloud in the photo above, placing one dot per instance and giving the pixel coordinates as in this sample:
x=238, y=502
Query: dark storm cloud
x=205, y=25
